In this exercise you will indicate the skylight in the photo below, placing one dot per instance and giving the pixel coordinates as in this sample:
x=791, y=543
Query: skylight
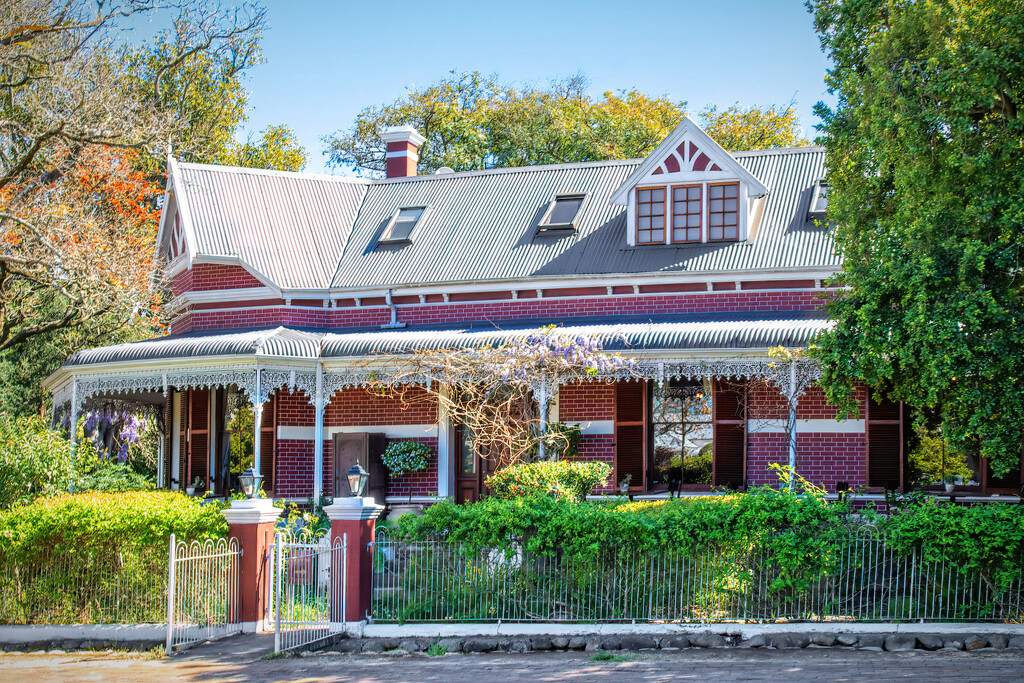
x=562, y=212
x=402, y=224
x=819, y=200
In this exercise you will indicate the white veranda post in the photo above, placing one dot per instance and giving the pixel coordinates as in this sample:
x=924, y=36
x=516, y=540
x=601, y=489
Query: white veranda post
x=318, y=435
x=792, y=400
x=257, y=420
x=542, y=409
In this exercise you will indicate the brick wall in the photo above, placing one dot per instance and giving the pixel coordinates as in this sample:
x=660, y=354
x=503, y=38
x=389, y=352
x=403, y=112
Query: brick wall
x=351, y=407
x=428, y=313
x=822, y=458
x=586, y=402
x=212, y=276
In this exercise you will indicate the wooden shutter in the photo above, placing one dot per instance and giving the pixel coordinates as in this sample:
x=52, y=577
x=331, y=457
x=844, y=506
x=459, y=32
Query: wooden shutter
x=168, y=426
x=199, y=436
x=729, y=452
x=630, y=432
x=183, y=434
x=885, y=442
x=268, y=440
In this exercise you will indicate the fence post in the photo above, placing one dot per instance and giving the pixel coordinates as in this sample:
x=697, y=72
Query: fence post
x=354, y=519
x=251, y=523
x=171, y=557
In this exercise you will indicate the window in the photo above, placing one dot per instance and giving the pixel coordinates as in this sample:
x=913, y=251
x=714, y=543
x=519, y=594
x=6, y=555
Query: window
x=682, y=432
x=402, y=224
x=686, y=213
x=650, y=215
x=723, y=212
x=561, y=212
x=819, y=199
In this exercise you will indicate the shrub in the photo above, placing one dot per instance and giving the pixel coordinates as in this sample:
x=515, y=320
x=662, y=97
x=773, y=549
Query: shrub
x=95, y=557
x=401, y=457
x=37, y=461
x=566, y=479
x=114, y=477
x=107, y=521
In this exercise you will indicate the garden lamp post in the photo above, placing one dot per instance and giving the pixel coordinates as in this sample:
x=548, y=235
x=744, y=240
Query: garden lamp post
x=251, y=482
x=357, y=478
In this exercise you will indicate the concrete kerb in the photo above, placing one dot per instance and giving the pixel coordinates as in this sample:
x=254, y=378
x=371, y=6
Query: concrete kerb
x=82, y=636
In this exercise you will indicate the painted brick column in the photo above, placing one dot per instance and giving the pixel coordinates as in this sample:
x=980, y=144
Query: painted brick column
x=403, y=146
x=355, y=520
x=251, y=522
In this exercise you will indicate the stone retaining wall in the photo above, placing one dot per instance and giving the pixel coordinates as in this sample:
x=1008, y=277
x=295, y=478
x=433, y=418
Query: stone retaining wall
x=894, y=642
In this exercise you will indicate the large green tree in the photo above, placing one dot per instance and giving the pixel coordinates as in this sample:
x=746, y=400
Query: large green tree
x=925, y=173
x=471, y=121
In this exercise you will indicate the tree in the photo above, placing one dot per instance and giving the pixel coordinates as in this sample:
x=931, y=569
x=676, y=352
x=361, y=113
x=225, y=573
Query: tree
x=502, y=393
x=925, y=180
x=278, y=149
x=76, y=215
x=737, y=128
x=472, y=121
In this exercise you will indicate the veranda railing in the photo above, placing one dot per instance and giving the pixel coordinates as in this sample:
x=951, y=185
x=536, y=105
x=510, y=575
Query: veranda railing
x=862, y=579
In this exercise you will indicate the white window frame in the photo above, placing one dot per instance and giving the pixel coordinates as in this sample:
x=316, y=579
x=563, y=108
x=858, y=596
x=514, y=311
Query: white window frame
x=385, y=237
x=545, y=226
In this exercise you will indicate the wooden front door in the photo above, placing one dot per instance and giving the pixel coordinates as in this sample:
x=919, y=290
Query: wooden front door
x=365, y=449
x=468, y=467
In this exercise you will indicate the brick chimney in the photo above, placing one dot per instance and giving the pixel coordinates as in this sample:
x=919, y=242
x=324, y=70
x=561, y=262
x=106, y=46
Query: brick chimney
x=403, y=150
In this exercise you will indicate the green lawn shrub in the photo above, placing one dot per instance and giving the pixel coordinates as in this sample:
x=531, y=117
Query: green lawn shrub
x=95, y=557
x=37, y=461
x=570, y=479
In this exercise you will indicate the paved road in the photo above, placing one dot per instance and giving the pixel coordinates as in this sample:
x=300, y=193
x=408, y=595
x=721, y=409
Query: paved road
x=688, y=665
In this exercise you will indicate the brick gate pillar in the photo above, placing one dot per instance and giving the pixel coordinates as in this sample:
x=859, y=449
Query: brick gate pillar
x=251, y=522
x=355, y=520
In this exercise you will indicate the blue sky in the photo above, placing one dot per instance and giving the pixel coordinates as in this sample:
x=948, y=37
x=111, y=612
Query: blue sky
x=328, y=60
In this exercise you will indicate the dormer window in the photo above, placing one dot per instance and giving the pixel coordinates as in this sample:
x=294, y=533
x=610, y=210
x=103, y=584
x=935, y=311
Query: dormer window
x=819, y=200
x=561, y=213
x=650, y=215
x=723, y=212
x=402, y=224
x=686, y=213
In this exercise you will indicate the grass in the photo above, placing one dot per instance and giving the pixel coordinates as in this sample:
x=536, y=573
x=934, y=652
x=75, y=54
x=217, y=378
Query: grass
x=611, y=657
x=436, y=649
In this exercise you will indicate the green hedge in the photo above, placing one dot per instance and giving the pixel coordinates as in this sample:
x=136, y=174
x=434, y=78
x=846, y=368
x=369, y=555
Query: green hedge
x=800, y=531
x=107, y=520
x=95, y=557
x=566, y=479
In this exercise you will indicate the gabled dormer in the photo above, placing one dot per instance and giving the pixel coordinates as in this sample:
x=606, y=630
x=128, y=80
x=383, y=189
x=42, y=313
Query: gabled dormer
x=689, y=191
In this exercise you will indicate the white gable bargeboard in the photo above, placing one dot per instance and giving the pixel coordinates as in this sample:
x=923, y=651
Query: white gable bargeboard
x=688, y=155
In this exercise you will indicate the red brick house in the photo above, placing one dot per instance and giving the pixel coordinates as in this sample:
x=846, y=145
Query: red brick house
x=694, y=260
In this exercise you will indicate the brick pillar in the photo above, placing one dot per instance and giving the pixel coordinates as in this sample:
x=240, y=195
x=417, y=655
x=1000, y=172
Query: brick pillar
x=355, y=520
x=252, y=523
x=403, y=147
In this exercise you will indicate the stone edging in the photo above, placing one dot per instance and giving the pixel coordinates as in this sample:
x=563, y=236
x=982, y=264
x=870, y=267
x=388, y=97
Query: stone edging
x=892, y=642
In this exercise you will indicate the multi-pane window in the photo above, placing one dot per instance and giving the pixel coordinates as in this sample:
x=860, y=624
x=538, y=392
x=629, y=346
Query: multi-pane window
x=686, y=213
x=650, y=215
x=723, y=212
x=681, y=429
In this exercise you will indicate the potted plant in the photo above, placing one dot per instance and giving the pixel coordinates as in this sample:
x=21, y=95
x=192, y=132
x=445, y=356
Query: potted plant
x=949, y=482
x=403, y=457
x=197, y=483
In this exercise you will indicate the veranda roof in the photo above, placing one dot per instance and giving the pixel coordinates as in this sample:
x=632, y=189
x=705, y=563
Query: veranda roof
x=684, y=332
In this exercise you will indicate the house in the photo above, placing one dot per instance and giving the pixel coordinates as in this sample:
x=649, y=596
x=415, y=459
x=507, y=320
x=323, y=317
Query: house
x=287, y=287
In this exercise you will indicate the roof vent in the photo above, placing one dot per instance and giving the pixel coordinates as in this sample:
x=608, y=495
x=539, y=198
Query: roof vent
x=444, y=170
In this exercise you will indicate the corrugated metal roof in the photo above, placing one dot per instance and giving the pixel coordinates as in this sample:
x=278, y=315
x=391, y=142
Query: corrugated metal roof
x=291, y=227
x=313, y=232
x=725, y=331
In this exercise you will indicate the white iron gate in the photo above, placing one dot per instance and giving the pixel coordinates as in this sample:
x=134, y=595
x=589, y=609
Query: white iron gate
x=202, y=591
x=307, y=590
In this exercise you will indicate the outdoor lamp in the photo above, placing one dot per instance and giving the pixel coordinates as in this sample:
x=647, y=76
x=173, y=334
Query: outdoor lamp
x=357, y=478
x=251, y=482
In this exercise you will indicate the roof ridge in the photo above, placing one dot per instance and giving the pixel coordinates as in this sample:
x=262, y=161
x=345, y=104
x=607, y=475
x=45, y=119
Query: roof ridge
x=222, y=168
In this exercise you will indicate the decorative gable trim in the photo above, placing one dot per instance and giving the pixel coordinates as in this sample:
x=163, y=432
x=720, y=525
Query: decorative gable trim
x=688, y=149
x=176, y=231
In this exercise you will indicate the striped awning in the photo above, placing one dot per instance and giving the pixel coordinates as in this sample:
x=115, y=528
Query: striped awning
x=693, y=332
